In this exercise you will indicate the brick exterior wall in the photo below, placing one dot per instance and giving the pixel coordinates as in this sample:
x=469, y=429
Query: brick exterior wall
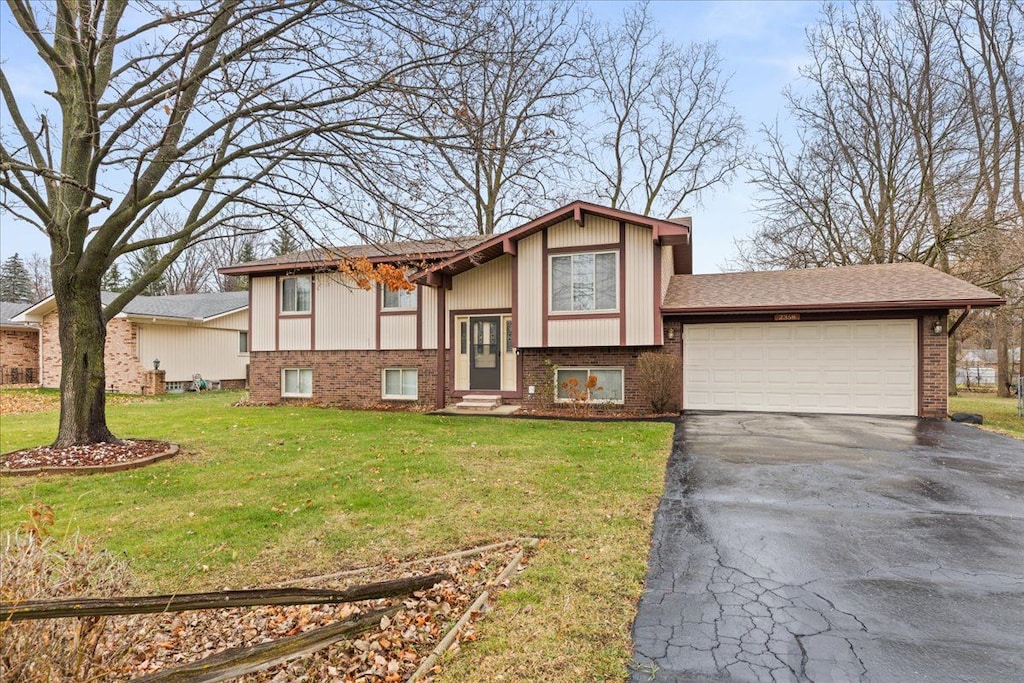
x=935, y=377
x=19, y=352
x=124, y=372
x=350, y=379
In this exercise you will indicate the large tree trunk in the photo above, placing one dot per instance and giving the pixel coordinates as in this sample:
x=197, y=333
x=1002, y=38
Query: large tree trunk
x=82, y=333
x=1003, y=354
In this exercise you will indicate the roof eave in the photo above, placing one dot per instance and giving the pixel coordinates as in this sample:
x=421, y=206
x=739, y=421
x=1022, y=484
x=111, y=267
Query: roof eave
x=915, y=305
x=328, y=266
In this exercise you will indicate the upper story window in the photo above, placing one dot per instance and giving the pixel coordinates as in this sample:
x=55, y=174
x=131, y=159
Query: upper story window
x=585, y=282
x=399, y=300
x=296, y=294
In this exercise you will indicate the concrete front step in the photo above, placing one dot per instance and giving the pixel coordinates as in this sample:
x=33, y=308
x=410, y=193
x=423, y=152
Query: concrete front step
x=479, y=402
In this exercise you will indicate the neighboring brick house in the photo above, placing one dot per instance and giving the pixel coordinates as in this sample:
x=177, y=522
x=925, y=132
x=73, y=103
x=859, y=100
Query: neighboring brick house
x=19, y=347
x=204, y=334
x=585, y=290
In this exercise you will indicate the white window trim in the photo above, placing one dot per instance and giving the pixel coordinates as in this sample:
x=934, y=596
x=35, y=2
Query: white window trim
x=390, y=309
x=280, y=286
x=398, y=397
x=595, y=311
x=590, y=371
x=297, y=395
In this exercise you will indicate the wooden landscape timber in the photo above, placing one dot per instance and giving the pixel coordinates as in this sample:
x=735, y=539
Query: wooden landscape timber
x=152, y=604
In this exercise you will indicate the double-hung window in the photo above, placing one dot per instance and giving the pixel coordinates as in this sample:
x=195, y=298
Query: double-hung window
x=584, y=282
x=296, y=294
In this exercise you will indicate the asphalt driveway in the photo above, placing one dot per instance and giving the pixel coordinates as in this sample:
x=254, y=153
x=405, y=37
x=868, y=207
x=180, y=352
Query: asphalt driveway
x=835, y=548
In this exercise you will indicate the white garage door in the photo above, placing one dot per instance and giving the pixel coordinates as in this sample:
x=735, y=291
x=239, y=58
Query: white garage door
x=857, y=366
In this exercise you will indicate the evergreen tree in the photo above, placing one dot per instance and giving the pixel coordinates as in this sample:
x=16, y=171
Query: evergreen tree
x=15, y=284
x=113, y=281
x=145, y=259
x=285, y=243
x=246, y=254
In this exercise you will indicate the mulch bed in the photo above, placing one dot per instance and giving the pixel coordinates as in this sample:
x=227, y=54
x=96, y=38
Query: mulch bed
x=95, y=457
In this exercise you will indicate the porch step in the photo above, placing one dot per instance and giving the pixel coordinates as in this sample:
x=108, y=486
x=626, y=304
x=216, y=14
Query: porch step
x=479, y=402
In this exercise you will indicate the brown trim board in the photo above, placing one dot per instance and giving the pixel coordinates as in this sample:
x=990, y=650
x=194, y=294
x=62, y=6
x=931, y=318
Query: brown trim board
x=277, y=313
x=622, y=283
x=920, y=365
x=441, y=380
x=376, y=318
x=659, y=332
x=419, y=317
x=544, y=286
x=918, y=305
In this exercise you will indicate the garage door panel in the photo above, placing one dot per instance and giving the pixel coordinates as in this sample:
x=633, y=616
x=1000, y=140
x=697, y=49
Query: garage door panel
x=834, y=367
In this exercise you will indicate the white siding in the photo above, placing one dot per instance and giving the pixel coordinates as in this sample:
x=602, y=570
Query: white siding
x=294, y=334
x=398, y=331
x=428, y=304
x=592, y=332
x=639, y=286
x=486, y=286
x=344, y=315
x=531, y=302
x=264, y=301
x=854, y=366
x=184, y=350
x=595, y=230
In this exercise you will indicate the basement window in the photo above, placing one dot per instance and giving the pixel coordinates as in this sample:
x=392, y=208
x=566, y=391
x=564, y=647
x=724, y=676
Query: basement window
x=607, y=390
x=297, y=382
x=400, y=384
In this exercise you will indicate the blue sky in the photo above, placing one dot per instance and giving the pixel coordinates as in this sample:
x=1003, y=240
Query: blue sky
x=762, y=44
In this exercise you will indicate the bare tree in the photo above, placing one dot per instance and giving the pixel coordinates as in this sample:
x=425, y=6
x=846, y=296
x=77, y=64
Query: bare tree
x=668, y=132
x=39, y=274
x=275, y=110
x=502, y=129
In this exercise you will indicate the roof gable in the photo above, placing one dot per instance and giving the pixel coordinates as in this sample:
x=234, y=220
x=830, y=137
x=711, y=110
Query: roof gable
x=179, y=306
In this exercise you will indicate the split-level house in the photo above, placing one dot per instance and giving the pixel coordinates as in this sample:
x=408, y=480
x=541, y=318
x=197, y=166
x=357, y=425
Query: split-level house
x=585, y=290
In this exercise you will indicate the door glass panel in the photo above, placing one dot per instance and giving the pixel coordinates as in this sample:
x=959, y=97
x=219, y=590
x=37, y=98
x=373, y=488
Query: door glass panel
x=485, y=344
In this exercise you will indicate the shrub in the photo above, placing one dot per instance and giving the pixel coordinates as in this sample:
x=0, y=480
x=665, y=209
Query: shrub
x=35, y=567
x=658, y=380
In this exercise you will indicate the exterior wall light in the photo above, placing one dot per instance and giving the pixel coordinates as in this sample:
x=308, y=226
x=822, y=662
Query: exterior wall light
x=937, y=327
x=156, y=363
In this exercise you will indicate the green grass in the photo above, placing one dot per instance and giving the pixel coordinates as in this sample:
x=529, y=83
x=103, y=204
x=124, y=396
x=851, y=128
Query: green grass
x=1000, y=414
x=262, y=494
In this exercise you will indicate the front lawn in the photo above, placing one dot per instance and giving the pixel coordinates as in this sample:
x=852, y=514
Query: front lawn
x=263, y=494
x=999, y=414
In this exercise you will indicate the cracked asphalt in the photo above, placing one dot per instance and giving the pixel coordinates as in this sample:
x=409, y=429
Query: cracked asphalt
x=835, y=548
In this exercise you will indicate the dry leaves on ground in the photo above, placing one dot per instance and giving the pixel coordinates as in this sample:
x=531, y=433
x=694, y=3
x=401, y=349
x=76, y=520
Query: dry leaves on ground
x=91, y=455
x=14, y=401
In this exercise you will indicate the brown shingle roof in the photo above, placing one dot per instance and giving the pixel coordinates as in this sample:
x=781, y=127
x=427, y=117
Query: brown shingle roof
x=886, y=286
x=405, y=250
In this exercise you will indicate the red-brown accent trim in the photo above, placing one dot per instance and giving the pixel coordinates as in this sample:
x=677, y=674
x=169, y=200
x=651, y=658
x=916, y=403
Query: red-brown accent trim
x=659, y=332
x=582, y=316
x=920, y=366
x=584, y=248
x=409, y=311
x=509, y=247
x=956, y=324
x=302, y=267
x=577, y=215
x=515, y=302
x=248, y=292
x=376, y=333
x=442, y=377
x=277, y=313
x=820, y=316
x=862, y=306
x=419, y=318
x=312, y=312
x=544, y=287
x=622, y=283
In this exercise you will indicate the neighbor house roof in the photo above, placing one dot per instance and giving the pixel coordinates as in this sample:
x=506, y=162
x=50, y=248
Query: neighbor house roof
x=195, y=307
x=869, y=287
x=9, y=309
x=406, y=251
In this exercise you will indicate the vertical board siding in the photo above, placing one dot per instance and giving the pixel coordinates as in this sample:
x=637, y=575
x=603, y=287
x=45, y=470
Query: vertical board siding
x=585, y=332
x=398, y=332
x=531, y=303
x=262, y=334
x=185, y=350
x=294, y=333
x=486, y=286
x=595, y=230
x=428, y=306
x=344, y=315
x=639, y=286
x=667, y=269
